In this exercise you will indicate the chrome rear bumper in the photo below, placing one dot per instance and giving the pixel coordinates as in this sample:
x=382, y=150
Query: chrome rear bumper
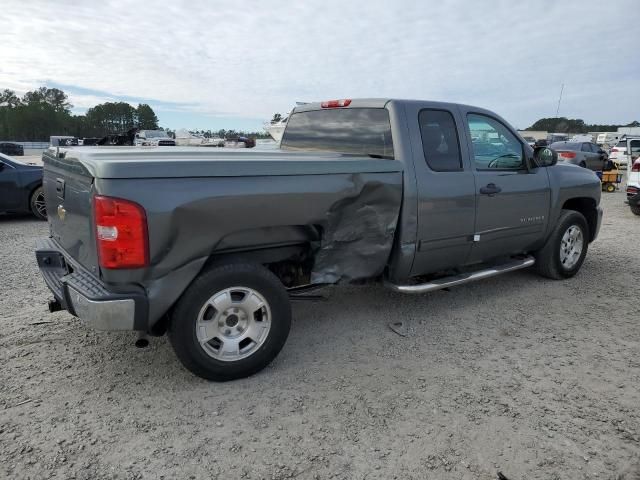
x=85, y=296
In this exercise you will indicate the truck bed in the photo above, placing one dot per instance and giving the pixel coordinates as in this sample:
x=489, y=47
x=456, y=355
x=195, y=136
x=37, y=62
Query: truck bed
x=201, y=204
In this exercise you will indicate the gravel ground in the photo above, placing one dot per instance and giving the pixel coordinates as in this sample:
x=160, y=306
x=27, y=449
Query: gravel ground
x=534, y=378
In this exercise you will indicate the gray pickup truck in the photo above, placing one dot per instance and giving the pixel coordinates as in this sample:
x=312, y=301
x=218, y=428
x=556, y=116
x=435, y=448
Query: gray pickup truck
x=211, y=246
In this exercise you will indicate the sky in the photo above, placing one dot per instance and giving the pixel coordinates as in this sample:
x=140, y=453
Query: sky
x=214, y=64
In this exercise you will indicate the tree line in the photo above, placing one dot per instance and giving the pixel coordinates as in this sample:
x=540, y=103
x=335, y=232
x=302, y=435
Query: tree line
x=571, y=125
x=43, y=112
x=46, y=111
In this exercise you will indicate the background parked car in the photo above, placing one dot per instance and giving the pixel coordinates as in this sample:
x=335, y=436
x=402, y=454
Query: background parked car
x=633, y=182
x=633, y=188
x=21, y=188
x=11, y=148
x=557, y=137
x=620, y=154
x=585, y=154
x=530, y=140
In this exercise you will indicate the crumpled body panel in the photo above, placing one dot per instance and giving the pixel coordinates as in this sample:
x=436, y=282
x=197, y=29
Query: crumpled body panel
x=358, y=233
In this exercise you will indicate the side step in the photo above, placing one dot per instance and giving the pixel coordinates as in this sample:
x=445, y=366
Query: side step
x=454, y=280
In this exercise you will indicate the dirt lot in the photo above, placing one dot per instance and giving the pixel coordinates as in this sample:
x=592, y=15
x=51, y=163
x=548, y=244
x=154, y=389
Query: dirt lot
x=533, y=378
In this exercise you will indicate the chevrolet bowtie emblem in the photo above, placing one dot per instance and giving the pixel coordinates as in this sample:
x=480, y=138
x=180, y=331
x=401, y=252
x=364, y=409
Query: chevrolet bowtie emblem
x=61, y=212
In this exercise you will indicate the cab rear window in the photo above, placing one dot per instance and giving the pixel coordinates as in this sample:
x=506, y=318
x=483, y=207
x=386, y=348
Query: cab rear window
x=362, y=131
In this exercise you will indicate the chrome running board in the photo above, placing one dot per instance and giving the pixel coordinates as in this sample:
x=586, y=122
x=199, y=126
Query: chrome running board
x=454, y=280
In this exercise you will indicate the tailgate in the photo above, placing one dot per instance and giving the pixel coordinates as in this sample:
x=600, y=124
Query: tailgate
x=68, y=188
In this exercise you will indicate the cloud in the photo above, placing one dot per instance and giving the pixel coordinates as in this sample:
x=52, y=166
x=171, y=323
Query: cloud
x=253, y=58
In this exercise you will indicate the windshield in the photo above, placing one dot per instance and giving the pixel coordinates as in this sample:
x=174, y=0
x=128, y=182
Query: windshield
x=154, y=134
x=363, y=131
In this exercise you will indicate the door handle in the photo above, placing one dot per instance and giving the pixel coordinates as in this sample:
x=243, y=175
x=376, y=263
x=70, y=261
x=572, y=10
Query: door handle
x=491, y=189
x=60, y=188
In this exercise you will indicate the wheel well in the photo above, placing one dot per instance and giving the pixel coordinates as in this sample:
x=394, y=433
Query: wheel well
x=287, y=250
x=587, y=207
x=290, y=263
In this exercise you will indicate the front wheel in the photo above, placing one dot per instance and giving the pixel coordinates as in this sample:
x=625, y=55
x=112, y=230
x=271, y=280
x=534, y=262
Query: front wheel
x=565, y=250
x=635, y=209
x=231, y=322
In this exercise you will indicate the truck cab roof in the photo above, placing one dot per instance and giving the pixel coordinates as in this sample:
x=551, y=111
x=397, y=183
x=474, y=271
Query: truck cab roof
x=381, y=103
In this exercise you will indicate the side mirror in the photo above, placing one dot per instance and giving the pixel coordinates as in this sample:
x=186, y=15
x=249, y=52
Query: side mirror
x=545, y=157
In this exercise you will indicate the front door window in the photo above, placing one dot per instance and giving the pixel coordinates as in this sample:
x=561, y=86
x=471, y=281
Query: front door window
x=494, y=146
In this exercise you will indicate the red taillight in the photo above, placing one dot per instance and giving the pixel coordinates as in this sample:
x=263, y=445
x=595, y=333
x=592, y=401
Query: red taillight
x=568, y=154
x=345, y=102
x=636, y=166
x=632, y=190
x=121, y=233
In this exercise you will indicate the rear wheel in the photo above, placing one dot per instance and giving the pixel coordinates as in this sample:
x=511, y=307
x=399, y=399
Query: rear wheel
x=38, y=205
x=565, y=250
x=583, y=164
x=611, y=187
x=231, y=322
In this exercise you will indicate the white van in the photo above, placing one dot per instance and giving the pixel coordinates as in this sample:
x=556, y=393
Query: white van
x=582, y=138
x=608, y=138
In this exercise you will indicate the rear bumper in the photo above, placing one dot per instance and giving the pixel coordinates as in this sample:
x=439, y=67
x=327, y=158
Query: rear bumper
x=85, y=296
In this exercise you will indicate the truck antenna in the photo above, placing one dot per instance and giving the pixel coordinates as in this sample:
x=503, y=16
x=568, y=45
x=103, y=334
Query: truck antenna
x=559, y=100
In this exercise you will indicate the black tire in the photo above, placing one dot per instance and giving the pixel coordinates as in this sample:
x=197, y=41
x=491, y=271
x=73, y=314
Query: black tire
x=36, y=203
x=635, y=209
x=182, y=327
x=548, y=262
x=583, y=164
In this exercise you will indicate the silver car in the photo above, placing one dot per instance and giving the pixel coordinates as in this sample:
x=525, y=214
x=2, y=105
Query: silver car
x=583, y=154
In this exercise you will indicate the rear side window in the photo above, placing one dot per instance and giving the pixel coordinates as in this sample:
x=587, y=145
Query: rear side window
x=440, y=141
x=362, y=131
